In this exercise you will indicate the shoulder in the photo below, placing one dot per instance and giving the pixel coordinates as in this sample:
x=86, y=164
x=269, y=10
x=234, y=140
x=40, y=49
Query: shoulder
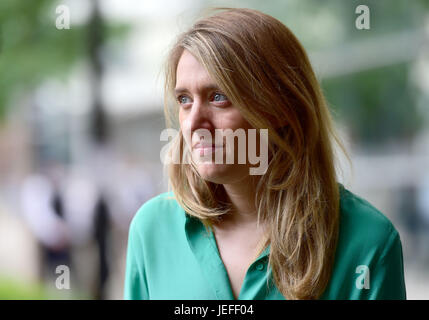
x=368, y=263
x=363, y=224
x=159, y=211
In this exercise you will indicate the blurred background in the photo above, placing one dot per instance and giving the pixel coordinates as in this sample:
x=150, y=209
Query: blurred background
x=81, y=116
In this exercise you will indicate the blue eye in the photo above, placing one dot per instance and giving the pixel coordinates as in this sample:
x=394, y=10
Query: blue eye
x=218, y=97
x=183, y=99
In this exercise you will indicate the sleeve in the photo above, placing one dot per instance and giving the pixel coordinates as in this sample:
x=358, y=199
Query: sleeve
x=387, y=279
x=135, y=286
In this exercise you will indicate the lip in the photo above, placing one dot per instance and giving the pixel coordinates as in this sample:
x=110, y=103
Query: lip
x=206, y=148
x=203, y=145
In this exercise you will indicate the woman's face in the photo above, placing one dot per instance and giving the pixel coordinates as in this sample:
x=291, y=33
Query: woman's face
x=204, y=106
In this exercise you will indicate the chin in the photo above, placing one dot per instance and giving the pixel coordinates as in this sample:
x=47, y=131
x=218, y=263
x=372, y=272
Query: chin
x=222, y=173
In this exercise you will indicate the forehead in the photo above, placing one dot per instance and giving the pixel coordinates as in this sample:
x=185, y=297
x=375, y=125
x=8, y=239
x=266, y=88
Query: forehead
x=190, y=73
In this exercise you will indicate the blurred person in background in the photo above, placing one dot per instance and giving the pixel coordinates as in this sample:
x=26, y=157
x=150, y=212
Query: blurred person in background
x=293, y=232
x=43, y=208
x=102, y=230
x=414, y=201
x=423, y=209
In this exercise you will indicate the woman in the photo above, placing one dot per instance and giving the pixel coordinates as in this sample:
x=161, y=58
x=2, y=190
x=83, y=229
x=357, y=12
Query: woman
x=290, y=232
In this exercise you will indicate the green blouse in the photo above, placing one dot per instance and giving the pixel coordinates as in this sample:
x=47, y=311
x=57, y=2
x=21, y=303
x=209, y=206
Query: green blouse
x=170, y=255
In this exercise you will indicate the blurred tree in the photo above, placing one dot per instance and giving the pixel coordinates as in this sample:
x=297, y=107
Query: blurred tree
x=33, y=49
x=96, y=38
x=378, y=105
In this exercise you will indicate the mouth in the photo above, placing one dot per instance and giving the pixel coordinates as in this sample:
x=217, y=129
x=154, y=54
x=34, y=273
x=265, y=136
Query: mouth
x=205, y=149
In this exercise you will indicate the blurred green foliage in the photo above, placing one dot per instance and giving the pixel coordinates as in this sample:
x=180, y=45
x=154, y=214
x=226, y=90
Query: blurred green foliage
x=379, y=105
x=15, y=289
x=11, y=289
x=33, y=49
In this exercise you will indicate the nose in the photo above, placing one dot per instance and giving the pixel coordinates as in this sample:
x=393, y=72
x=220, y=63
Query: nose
x=200, y=117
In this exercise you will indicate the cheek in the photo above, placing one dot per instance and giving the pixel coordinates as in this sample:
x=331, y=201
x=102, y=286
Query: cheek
x=182, y=120
x=185, y=128
x=181, y=117
x=236, y=120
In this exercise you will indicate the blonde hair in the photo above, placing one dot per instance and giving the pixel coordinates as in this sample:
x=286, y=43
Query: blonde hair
x=265, y=72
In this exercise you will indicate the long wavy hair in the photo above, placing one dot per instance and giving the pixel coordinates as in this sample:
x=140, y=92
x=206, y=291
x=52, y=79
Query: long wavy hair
x=265, y=72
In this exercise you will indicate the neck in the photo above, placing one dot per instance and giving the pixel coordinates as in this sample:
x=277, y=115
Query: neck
x=241, y=194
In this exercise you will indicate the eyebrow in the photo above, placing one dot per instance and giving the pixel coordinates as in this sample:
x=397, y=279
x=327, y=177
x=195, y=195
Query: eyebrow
x=203, y=88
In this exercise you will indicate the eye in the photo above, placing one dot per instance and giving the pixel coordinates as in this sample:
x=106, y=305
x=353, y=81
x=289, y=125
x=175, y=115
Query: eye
x=183, y=99
x=219, y=97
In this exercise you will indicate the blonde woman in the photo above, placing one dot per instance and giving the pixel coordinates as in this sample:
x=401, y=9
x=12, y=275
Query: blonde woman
x=289, y=232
